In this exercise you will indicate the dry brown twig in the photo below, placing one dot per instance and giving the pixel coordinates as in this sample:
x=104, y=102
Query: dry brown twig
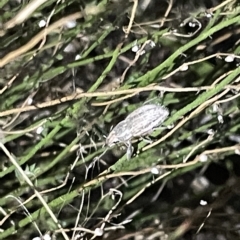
x=8, y=84
x=29, y=98
x=138, y=54
x=134, y=8
x=38, y=37
x=170, y=4
x=22, y=15
x=42, y=34
x=132, y=92
x=221, y=5
x=185, y=65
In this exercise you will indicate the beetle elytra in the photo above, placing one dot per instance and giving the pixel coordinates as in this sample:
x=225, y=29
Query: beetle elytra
x=137, y=124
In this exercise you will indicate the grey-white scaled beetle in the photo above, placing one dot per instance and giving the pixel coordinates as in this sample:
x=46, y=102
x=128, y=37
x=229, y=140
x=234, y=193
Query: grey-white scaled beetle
x=139, y=123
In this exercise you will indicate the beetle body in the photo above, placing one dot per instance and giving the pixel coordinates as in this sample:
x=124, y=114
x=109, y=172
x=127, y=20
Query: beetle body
x=139, y=123
x=145, y=119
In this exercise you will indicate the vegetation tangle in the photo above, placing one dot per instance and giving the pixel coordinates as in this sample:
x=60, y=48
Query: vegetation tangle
x=77, y=79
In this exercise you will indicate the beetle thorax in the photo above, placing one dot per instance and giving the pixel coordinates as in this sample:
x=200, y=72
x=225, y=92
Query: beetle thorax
x=120, y=134
x=112, y=139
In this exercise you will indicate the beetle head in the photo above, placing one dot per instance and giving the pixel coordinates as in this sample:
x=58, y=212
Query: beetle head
x=112, y=139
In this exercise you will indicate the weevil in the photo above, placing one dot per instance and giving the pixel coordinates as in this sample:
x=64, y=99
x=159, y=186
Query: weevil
x=139, y=123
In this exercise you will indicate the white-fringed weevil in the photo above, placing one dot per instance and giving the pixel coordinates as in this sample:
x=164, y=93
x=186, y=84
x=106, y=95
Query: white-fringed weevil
x=137, y=124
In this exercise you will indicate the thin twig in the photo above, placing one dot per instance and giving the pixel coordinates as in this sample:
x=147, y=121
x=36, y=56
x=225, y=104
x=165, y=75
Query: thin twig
x=134, y=8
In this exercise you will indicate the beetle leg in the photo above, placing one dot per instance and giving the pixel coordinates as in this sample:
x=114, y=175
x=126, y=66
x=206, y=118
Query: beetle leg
x=164, y=128
x=147, y=139
x=129, y=150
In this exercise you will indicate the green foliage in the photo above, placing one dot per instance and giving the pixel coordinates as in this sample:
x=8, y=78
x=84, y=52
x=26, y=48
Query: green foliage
x=65, y=83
